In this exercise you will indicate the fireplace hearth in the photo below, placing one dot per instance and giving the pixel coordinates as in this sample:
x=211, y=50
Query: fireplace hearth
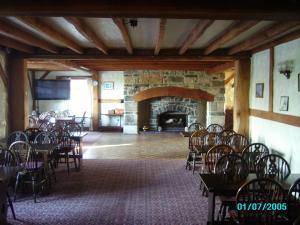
x=172, y=121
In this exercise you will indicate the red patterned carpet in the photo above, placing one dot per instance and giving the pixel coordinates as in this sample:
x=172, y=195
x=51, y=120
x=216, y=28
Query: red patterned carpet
x=119, y=192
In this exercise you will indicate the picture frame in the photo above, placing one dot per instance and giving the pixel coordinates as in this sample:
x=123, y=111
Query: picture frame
x=259, y=90
x=108, y=85
x=284, y=103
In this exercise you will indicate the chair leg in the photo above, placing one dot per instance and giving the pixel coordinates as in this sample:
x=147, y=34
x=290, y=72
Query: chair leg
x=52, y=170
x=67, y=161
x=74, y=157
x=16, y=186
x=11, y=206
x=33, y=181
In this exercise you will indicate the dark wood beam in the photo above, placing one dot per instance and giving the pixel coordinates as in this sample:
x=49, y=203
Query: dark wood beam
x=45, y=65
x=120, y=23
x=162, y=29
x=228, y=34
x=45, y=75
x=3, y=76
x=69, y=64
x=195, y=34
x=262, y=37
x=8, y=29
x=39, y=25
x=95, y=103
x=286, y=38
x=140, y=54
x=213, y=9
x=83, y=28
x=10, y=43
x=271, y=77
x=221, y=67
x=229, y=79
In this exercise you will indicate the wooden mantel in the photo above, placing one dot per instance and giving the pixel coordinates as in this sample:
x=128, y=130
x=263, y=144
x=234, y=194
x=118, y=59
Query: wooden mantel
x=174, y=92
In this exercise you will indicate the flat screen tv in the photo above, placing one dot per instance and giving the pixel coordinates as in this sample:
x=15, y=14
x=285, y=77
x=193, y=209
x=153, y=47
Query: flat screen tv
x=52, y=89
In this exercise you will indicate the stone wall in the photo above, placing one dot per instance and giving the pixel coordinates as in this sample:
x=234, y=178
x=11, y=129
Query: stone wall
x=3, y=103
x=139, y=80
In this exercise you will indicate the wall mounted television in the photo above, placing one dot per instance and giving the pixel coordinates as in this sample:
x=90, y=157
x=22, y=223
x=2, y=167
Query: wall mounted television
x=52, y=89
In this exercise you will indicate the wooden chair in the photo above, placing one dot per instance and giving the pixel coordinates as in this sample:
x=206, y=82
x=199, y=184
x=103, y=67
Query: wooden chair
x=214, y=154
x=274, y=167
x=293, y=202
x=253, y=153
x=16, y=136
x=75, y=129
x=195, y=144
x=225, y=134
x=32, y=133
x=232, y=169
x=216, y=128
x=238, y=142
x=210, y=140
x=7, y=159
x=195, y=127
x=263, y=191
x=33, y=171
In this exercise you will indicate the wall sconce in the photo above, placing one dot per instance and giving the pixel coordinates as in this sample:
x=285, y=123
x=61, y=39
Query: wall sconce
x=286, y=68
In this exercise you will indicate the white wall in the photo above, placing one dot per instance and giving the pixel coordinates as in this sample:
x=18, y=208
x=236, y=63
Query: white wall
x=277, y=136
x=117, y=77
x=3, y=102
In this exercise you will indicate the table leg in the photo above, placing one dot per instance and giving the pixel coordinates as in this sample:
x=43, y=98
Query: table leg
x=211, y=208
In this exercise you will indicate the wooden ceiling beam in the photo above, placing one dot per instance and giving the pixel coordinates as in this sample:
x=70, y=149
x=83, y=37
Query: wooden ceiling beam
x=8, y=29
x=213, y=9
x=221, y=67
x=228, y=34
x=70, y=64
x=195, y=34
x=45, y=75
x=83, y=28
x=45, y=66
x=162, y=29
x=120, y=23
x=11, y=43
x=286, y=38
x=39, y=25
x=262, y=37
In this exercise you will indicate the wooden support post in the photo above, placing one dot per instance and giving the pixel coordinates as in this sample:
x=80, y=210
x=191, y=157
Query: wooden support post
x=241, y=96
x=95, y=114
x=18, y=94
x=271, y=79
x=33, y=94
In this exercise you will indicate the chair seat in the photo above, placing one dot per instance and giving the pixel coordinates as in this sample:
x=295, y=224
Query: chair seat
x=33, y=165
x=64, y=149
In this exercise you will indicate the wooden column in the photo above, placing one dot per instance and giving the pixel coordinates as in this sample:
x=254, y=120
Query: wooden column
x=271, y=79
x=95, y=114
x=18, y=93
x=241, y=96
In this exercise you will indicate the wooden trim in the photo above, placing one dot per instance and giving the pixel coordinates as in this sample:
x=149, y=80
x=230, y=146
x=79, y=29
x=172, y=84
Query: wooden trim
x=255, y=9
x=8, y=29
x=110, y=100
x=84, y=29
x=286, y=38
x=230, y=33
x=120, y=23
x=229, y=79
x=221, y=67
x=162, y=29
x=173, y=91
x=30, y=84
x=11, y=43
x=195, y=34
x=45, y=75
x=277, y=117
x=271, y=74
x=3, y=76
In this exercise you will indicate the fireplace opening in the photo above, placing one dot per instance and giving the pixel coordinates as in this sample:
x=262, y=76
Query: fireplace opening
x=172, y=121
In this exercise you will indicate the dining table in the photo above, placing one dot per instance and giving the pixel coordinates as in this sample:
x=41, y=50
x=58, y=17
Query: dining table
x=215, y=187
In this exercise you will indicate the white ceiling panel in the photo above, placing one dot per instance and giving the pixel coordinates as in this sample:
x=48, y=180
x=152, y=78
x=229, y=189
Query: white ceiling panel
x=248, y=33
x=144, y=34
x=176, y=32
x=211, y=32
x=34, y=32
x=107, y=31
x=61, y=25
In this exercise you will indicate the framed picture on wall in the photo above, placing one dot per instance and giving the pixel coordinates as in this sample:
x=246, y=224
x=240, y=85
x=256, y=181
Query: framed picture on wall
x=284, y=103
x=259, y=90
x=108, y=85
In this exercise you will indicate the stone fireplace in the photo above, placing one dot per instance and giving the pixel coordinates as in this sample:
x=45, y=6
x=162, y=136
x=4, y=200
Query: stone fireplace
x=154, y=111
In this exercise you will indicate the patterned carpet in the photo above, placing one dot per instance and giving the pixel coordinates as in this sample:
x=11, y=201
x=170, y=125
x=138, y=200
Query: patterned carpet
x=119, y=192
